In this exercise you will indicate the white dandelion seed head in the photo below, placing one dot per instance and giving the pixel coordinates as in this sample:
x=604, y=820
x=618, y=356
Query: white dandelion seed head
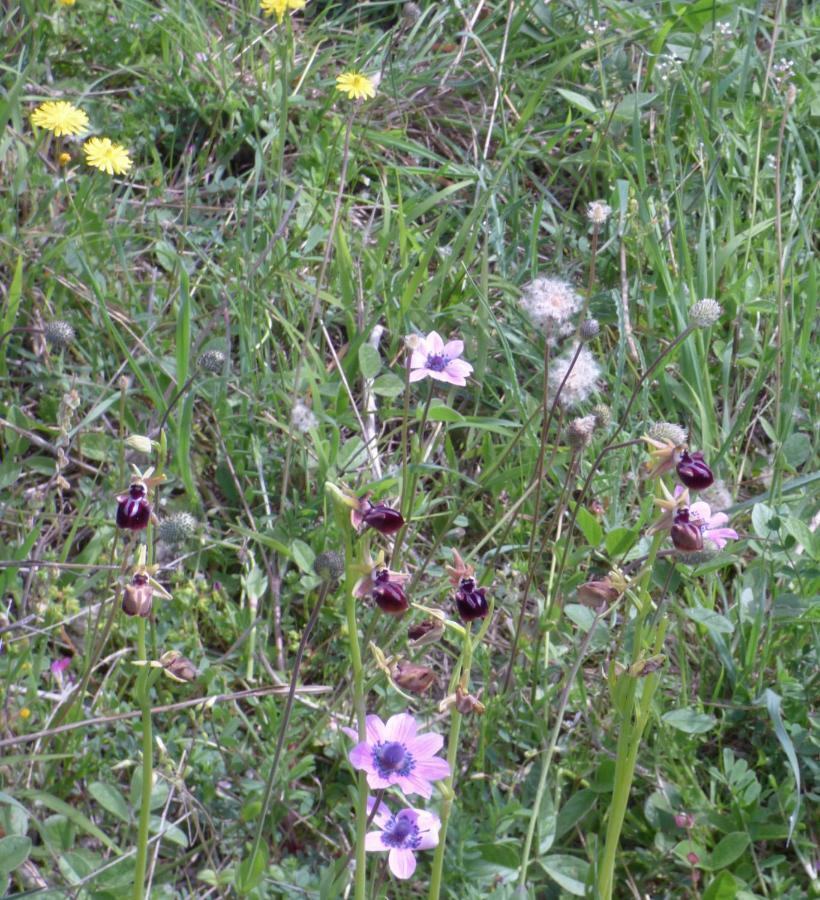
x=579, y=433
x=668, y=432
x=551, y=303
x=598, y=212
x=581, y=380
x=705, y=313
x=302, y=417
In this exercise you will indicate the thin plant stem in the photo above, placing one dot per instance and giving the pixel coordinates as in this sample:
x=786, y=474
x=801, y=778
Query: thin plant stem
x=550, y=751
x=143, y=699
x=632, y=725
x=285, y=721
x=460, y=675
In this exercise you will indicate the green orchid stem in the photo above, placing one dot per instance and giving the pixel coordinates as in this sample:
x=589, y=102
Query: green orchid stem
x=632, y=723
x=461, y=676
x=358, y=706
x=144, y=702
x=143, y=697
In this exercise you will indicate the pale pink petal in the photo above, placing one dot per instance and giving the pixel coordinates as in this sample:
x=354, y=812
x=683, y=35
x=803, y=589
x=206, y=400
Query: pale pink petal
x=373, y=841
x=457, y=380
x=428, y=825
x=402, y=863
x=717, y=520
x=425, y=745
x=361, y=757
x=363, y=587
x=720, y=536
x=350, y=732
x=679, y=489
x=700, y=511
x=401, y=728
x=459, y=367
x=374, y=728
x=453, y=349
x=418, y=374
x=376, y=782
x=432, y=769
x=414, y=784
x=418, y=359
x=434, y=342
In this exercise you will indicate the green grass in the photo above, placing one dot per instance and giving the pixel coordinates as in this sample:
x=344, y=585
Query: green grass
x=468, y=175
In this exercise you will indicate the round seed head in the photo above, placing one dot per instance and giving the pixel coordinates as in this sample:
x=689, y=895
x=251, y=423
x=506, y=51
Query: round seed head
x=603, y=415
x=212, y=361
x=705, y=313
x=177, y=528
x=329, y=566
x=58, y=334
x=589, y=329
x=668, y=432
x=580, y=431
x=598, y=212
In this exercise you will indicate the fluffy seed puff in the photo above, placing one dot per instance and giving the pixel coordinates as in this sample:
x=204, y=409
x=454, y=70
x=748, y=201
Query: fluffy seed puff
x=551, y=304
x=579, y=381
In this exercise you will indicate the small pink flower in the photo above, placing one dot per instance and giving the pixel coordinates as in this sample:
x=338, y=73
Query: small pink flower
x=432, y=357
x=402, y=834
x=711, y=526
x=394, y=754
x=58, y=666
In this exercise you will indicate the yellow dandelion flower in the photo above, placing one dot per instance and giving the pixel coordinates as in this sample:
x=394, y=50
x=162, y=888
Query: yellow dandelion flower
x=64, y=159
x=67, y=2
x=60, y=117
x=355, y=85
x=25, y=713
x=107, y=156
x=278, y=8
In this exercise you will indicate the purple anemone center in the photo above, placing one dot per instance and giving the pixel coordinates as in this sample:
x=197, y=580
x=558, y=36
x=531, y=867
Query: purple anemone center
x=392, y=758
x=436, y=362
x=401, y=832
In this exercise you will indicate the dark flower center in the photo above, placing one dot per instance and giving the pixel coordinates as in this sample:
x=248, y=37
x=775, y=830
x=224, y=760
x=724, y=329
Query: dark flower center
x=437, y=362
x=136, y=491
x=382, y=576
x=392, y=758
x=401, y=832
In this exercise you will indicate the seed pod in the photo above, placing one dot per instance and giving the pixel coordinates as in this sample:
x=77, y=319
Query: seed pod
x=413, y=678
x=138, y=597
x=178, y=667
x=598, y=595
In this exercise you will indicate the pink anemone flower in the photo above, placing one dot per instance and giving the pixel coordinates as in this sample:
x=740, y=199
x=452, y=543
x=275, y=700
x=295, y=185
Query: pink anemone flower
x=402, y=834
x=432, y=357
x=393, y=754
x=711, y=526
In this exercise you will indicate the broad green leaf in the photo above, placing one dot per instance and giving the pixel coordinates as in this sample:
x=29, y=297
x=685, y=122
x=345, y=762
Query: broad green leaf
x=110, y=798
x=710, y=619
x=303, y=556
x=689, y=720
x=370, y=361
x=724, y=887
x=590, y=526
x=577, y=100
x=578, y=805
x=727, y=850
x=388, y=385
x=14, y=851
x=570, y=872
x=619, y=540
x=772, y=701
x=81, y=821
x=797, y=449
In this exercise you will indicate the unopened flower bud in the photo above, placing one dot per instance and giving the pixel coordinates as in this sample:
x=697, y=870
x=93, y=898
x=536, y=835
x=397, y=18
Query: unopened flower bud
x=705, y=313
x=212, y=361
x=140, y=442
x=694, y=472
x=685, y=820
x=413, y=678
x=589, y=329
x=177, y=528
x=329, y=566
x=692, y=858
x=58, y=334
x=686, y=535
x=178, y=667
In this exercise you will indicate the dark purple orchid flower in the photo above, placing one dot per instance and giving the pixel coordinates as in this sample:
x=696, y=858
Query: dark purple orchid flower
x=134, y=508
x=686, y=534
x=471, y=601
x=389, y=594
x=694, y=472
x=384, y=519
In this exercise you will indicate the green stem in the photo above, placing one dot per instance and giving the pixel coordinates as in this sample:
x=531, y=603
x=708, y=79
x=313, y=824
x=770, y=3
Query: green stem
x=143, y=699
x=632, y=724
x=461, y=675
x=358, y=706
